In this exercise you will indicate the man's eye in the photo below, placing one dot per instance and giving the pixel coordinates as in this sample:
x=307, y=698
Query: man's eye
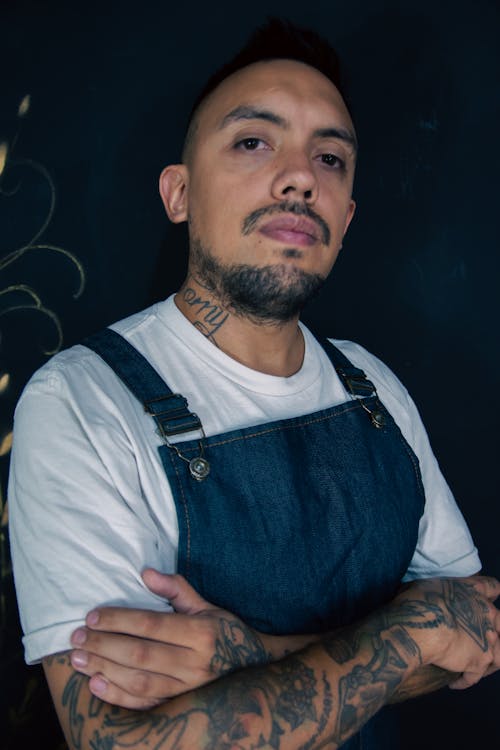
x=332, y=161
x=250, y=144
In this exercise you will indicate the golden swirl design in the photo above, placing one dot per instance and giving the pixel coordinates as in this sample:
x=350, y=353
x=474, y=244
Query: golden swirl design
x=34, y=298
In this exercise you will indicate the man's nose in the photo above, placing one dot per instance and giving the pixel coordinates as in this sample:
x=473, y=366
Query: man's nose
x=295, y=179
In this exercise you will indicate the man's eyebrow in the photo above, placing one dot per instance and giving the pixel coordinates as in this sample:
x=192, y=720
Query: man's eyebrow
x=246, y=112
x=342, y=134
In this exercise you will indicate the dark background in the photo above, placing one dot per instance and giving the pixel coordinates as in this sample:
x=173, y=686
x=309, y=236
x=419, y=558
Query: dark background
x=416, y=283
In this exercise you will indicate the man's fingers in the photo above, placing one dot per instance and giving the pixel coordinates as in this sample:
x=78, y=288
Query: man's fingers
x=137, y=653
x=469, y=678
x=139, y=622
x=466, y=680
x=164, y=627
x=495, y=664
x=141, y=684
x=488, y=586
x=177, y=590
x=107, y=691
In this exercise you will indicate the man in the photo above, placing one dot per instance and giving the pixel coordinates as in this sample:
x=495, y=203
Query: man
x=290, y=482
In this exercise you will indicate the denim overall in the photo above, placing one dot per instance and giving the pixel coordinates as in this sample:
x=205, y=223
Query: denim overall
x=301, y=525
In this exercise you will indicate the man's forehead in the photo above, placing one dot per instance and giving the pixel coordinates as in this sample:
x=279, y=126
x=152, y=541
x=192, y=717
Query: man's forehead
x=269, y=81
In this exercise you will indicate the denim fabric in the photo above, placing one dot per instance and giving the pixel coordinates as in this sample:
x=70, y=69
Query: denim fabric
x=303, y=524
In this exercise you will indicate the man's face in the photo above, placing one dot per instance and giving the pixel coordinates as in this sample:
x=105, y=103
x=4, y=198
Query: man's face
x=270, y=172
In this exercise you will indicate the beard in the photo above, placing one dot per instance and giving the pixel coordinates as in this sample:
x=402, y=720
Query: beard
x=270, y=294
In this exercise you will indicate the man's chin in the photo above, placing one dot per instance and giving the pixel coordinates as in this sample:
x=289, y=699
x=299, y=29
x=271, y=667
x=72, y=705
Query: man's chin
x=272, y=294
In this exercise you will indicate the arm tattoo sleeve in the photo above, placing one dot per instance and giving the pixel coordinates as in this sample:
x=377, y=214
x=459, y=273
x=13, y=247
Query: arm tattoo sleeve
x=316, y=697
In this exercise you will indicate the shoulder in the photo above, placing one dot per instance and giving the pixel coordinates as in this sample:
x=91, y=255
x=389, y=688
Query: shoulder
x=78, y=367
x=391, y=392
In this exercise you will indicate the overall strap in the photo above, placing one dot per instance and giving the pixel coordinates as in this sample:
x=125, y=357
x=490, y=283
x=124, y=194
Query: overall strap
x=354, y=379
x=170, y=410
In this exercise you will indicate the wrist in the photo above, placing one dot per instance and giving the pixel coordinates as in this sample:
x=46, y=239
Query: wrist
x=424, y=622
x=278, y=646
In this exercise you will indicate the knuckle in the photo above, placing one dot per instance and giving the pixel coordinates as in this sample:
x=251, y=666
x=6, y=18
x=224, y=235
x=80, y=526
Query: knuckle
x=198, y=675
x=206, y=637
x=141, y=653
x=149, y=622
x=195, y=667
x=140, y=684
x=135, y=703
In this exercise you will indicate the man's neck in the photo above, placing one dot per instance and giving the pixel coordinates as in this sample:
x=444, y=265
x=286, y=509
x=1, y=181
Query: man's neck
x=275, y=349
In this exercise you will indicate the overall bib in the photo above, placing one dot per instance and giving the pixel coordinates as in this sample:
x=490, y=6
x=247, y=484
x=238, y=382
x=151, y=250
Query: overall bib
x=299, y=525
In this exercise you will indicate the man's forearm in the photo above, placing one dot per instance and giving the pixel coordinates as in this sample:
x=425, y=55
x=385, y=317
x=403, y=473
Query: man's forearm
x=424, y=680
x=324, y=693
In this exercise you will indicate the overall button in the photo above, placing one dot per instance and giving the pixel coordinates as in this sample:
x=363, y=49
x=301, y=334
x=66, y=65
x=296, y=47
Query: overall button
x=378, y=419
x=199, y=468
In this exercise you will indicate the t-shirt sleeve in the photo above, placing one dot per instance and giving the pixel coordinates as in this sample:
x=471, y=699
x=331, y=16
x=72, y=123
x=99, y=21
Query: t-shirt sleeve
x=80, y=530
x=445, y=546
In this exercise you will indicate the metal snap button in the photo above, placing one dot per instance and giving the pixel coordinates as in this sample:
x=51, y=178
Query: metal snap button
x=378, y=419
x=199, y=468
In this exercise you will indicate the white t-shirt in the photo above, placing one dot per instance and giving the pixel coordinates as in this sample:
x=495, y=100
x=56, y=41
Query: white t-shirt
x=90, y=505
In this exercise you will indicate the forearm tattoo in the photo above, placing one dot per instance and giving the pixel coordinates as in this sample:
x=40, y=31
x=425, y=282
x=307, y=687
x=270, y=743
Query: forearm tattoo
x=473, y=620
x=254, y=710
x=319, y=696
x=237, y=646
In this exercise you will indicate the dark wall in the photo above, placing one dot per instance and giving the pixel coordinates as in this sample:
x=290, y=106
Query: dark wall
x=83, y=238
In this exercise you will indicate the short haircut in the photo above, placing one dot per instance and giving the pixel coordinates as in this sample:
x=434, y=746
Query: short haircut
x=277, y=39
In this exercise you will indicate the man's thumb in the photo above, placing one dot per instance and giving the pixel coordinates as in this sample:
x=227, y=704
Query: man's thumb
x=177, y=590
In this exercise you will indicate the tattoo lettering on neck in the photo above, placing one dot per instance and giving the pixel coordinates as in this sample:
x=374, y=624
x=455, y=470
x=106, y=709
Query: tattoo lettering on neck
x=210, y=316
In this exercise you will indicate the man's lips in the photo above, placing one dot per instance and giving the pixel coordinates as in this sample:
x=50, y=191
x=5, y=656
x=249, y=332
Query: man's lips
x=297, y=230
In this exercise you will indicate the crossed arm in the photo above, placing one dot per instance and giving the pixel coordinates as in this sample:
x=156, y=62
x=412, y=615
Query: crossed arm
x=318, y=695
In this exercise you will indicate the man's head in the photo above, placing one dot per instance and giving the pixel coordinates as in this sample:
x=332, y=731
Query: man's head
x=266, y=181
x=278, y=39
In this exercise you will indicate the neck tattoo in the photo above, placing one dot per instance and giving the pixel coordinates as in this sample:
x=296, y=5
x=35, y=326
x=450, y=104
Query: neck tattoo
x=210, y=317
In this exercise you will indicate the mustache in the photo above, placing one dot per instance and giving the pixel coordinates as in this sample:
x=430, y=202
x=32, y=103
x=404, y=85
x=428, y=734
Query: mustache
x=288, y=207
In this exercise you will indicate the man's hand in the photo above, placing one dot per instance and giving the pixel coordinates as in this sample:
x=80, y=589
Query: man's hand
x=457, y=624
x=322, y=695
x=139, y=658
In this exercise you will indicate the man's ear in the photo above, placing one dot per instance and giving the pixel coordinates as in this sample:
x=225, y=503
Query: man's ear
x=174, y=192
x=350, y=214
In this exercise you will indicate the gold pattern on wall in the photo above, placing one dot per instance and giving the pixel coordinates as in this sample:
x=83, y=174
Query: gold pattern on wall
x=22, y=296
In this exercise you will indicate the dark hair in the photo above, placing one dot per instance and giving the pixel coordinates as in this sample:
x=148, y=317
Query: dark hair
x=278, y=39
